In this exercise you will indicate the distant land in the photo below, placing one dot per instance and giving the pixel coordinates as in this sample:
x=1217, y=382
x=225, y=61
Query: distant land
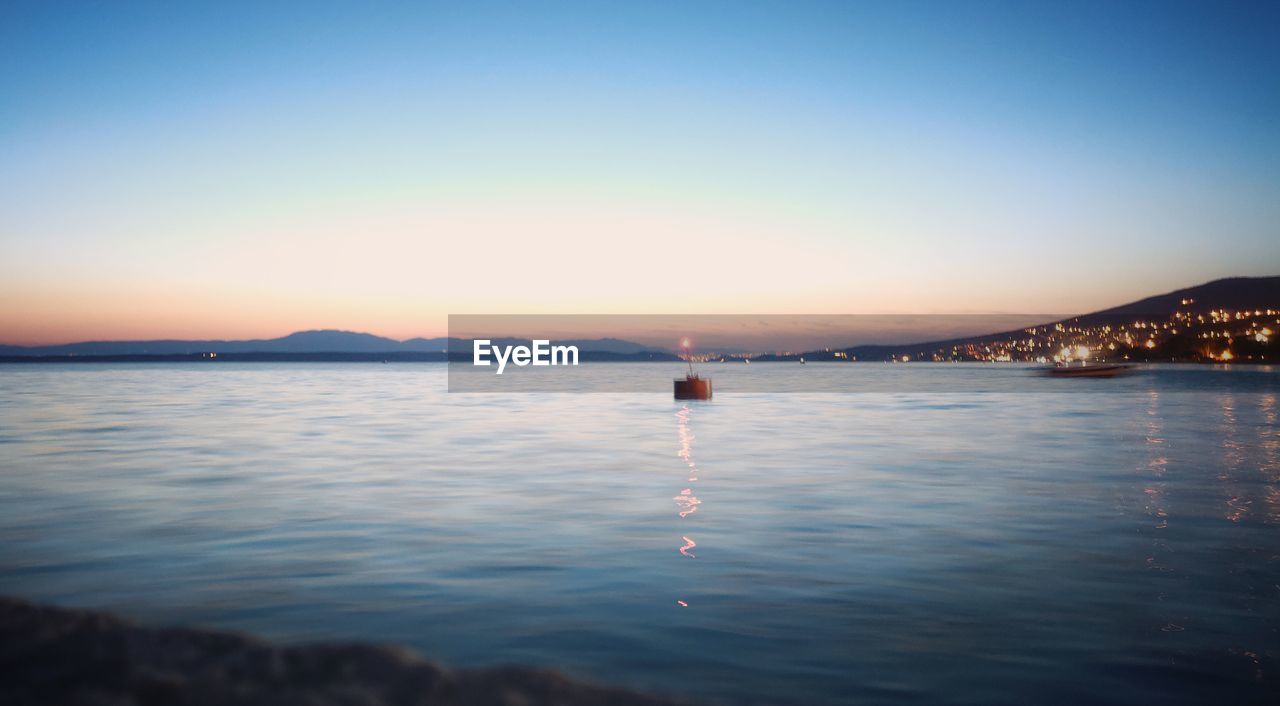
x=1232, y=319
x=1226, y=320
x=320, y=345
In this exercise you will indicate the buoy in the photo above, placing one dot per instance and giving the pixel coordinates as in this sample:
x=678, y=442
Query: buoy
x=692, y=387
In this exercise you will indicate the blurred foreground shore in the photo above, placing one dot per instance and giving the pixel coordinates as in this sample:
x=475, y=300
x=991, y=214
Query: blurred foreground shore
x=52, y=656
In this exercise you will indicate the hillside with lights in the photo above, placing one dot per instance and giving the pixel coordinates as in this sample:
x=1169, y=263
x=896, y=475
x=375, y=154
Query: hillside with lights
x=1228, y=320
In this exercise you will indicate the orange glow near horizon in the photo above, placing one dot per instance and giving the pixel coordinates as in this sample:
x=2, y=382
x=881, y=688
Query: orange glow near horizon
x=284, y=288
x=411, y=266
x=71, y=314
x=47, y=315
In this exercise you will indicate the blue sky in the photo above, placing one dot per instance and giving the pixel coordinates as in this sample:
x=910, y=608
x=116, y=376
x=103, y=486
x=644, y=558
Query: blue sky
x=253, y=168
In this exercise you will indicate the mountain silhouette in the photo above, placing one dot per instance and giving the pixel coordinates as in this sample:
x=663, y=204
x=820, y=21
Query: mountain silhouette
x=304, y=342
x=1232, y=293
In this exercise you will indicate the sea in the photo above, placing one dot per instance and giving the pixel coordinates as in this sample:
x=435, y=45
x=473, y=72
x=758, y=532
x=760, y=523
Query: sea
x=1018, y=541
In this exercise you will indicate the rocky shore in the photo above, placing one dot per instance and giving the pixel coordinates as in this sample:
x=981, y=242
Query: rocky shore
x=51, y=656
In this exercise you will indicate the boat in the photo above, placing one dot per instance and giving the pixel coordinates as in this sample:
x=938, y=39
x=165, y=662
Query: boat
x=1106, y=370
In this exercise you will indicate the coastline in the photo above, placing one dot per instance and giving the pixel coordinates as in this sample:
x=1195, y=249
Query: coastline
x=591, y=357
x=52, y=655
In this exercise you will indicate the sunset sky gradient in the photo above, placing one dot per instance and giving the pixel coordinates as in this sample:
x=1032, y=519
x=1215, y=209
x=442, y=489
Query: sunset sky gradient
x=238, y=170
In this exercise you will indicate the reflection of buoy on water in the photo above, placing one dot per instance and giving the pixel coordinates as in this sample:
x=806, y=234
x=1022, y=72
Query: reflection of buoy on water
x=692, y=387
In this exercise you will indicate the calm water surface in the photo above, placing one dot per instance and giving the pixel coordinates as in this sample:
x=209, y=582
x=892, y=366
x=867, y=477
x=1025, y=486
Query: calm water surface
x=1114, y=545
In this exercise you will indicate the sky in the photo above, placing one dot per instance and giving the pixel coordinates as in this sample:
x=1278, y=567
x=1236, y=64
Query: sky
x=238, y=170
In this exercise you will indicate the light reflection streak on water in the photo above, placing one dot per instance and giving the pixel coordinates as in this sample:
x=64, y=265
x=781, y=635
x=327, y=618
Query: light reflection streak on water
x=1268, y=467
x=1154, y=490
x=686, y=502
x=686, y=441
x=688, y=544
x=1157, y=462
x=1154, y=487
x=1233, y=455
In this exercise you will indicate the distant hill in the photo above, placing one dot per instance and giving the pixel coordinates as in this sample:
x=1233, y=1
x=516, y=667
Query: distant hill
x=1231, y=294
x=327, y=341
x=328, y=344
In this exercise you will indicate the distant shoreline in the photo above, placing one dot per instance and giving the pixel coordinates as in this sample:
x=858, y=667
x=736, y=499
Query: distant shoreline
x=594, y=357
x=319, y=357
